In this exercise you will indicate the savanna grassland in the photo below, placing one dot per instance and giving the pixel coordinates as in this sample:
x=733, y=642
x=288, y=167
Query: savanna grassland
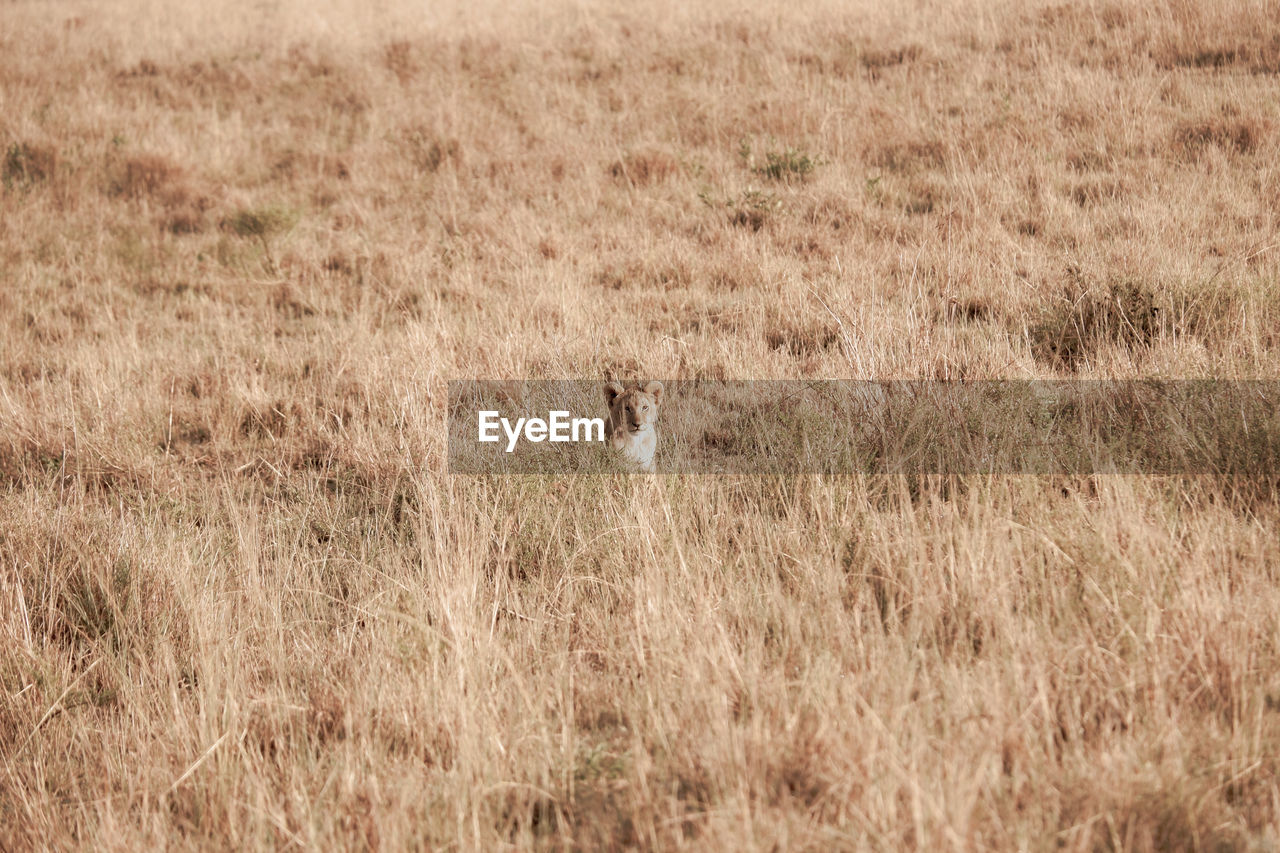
x=244, y=246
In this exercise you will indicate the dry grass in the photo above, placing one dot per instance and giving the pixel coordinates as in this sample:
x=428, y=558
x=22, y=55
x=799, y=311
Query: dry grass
x=242, y=251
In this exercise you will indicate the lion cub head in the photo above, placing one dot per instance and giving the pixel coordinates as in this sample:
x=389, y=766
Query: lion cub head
x=633, y=418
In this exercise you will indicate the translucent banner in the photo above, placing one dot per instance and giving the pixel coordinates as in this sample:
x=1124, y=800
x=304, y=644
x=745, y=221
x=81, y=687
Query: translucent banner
x=840, y=427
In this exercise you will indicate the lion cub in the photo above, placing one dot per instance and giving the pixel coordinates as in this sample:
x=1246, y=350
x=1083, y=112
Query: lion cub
x=632, y=428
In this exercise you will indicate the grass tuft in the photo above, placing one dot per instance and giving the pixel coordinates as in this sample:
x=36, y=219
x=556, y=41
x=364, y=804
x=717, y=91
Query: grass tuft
x=1084, y=320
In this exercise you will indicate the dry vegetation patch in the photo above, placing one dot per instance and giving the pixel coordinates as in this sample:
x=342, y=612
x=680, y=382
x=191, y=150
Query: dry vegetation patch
x=245, y=604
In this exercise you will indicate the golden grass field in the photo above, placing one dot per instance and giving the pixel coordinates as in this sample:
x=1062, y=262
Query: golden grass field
x=243, y=247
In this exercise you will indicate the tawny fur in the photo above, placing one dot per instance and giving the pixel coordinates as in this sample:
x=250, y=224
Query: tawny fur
x=632, y=427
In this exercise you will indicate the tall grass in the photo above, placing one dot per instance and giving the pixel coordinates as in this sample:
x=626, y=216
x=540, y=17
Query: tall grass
x=243, y=249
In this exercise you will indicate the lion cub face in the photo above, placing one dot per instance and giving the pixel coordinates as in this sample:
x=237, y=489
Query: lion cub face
x=633, y=418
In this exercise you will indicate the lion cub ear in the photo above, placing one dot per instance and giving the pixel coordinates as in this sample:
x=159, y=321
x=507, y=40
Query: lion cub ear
x=654, y=390
x=611, y=392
